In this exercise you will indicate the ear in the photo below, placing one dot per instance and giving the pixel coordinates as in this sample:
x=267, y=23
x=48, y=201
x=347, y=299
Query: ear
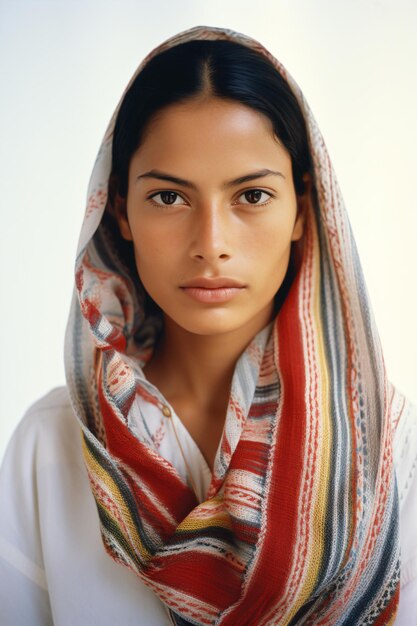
x=303, y=202
x=118, y=208
x=121, y=217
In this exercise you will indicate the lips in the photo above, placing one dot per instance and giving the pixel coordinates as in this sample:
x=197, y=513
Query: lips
x=212, y=283
x=212, y=290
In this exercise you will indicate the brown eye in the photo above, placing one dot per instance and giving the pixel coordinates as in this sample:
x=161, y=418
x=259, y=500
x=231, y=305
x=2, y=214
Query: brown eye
x=168, y=197
x=255, y=196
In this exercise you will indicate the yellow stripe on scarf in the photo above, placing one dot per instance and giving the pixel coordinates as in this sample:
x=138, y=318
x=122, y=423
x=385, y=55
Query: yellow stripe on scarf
x=104, y=478
x=196, y=522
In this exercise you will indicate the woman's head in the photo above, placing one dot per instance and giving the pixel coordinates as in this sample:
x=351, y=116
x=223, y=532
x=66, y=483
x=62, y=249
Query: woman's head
x=209, y=162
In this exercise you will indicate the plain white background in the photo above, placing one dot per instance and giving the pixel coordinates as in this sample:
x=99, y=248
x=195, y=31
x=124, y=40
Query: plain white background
x=63, y=66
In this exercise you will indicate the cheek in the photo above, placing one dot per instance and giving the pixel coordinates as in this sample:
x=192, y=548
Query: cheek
x=155, y=257
x=269, y=246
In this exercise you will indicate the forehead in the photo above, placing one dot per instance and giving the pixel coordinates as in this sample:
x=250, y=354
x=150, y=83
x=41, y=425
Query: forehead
x=210, y=135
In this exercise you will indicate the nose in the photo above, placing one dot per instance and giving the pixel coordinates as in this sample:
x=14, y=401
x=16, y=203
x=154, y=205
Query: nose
x=211, y=233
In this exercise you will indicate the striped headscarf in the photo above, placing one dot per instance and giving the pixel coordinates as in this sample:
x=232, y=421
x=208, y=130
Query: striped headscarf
x=300, y=525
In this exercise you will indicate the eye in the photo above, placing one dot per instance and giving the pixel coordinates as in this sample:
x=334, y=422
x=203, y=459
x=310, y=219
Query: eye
x=167, y=198
x=255, y=196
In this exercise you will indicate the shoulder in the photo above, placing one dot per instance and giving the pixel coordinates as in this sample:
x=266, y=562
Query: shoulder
x=404, y=442
x=405, y=461
x=52, y=406
x=48, y=433
x=53, y=409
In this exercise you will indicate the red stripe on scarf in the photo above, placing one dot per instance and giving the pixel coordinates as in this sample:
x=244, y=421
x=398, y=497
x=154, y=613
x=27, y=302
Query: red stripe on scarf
x=250, y=456
x=281, y=518
x=122, y=444
x=198, y=574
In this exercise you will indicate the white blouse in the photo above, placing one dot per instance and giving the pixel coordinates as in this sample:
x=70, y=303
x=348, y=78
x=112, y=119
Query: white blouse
x=53, y=567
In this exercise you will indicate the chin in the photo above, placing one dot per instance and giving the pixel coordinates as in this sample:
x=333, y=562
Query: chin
x=219, y=322
x=207, y=327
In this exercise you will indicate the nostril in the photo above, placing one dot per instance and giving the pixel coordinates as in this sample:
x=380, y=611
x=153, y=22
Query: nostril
x=210, y=257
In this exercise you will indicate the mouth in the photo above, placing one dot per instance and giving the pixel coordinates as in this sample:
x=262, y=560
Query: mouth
x=212, y=290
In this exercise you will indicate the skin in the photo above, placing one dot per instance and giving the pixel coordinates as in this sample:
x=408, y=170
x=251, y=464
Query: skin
x=211, y=229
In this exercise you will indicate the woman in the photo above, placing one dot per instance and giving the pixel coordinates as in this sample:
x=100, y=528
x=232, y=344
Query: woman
x=238, y=428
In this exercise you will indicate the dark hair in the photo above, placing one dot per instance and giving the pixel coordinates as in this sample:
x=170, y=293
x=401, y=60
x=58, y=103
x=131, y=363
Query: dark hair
x=221, y=68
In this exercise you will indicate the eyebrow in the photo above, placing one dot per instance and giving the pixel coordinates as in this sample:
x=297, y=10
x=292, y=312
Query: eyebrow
x=230, y=183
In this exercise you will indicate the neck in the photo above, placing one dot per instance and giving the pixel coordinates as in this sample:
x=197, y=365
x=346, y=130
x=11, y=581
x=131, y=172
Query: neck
x=201, y=367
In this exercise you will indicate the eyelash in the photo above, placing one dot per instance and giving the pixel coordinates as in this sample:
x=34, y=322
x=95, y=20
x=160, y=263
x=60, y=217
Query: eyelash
x=163, y=205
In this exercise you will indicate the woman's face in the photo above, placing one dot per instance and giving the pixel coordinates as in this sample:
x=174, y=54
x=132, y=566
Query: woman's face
x=211, y=211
